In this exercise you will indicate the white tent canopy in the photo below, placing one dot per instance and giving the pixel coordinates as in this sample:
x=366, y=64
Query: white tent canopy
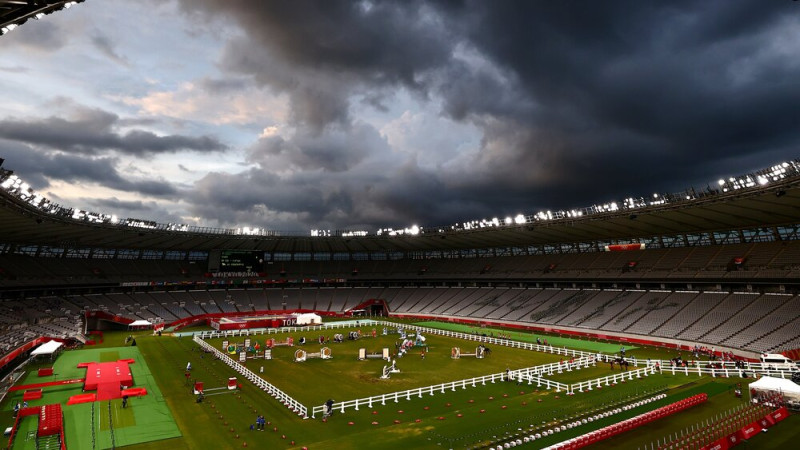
x=308, y=319
x=788, y=389
x=140, y=323
x=48, y=348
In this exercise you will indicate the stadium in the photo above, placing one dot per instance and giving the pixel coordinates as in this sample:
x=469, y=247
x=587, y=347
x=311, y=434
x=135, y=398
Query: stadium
x=666, y=320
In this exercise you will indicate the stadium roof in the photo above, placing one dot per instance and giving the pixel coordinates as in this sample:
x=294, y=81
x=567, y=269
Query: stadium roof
x=16, y=12
x=773, y=205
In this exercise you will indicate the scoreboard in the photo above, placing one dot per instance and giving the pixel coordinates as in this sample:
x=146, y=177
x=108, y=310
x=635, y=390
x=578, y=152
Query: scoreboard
x=241, y=261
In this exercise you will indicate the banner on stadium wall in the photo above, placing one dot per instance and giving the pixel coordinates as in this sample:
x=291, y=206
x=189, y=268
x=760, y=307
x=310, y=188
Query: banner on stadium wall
x=236, y=282
x=623, y=247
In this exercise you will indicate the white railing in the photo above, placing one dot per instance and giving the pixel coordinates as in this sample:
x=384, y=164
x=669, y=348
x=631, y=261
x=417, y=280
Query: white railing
x=728, y=369
x=529, y=374
x=611, y=380
x=535, y=374
x=492, y=340
x=278, y=394
x=434, y=331
x=293, y=329
x=556, y=367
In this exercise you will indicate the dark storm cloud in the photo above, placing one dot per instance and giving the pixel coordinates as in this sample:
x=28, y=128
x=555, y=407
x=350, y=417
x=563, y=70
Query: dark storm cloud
x=39, y=36
x=578, y=102
x=311, y=180
x=39, y=167
x=106, y=47
x=131, y=209
x=336, y=150
x=113, y=203
x=94, y=131
x=322, y=52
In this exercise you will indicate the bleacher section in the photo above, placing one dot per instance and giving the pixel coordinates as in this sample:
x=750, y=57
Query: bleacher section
x=750, y=321
x=522, y=290
x=759, y=261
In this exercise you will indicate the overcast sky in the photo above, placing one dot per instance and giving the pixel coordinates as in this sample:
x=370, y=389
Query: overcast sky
x=298, y=115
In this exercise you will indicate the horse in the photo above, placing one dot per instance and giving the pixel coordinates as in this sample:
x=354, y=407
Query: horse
x=623, y=363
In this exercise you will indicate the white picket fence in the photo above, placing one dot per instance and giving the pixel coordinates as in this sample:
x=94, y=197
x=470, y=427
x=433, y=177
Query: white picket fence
x=554, y=368
x=526, y=373
x=491, y=340
x=611, y=380
x=530, y=375
x=293, y=329
x=728, y=369
x=433, y=331
x=278, y=394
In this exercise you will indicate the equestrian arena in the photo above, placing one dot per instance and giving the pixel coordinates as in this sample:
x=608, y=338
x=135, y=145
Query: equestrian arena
x=565, y=346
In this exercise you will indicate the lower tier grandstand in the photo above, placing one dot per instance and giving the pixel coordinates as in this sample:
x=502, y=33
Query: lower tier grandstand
x=747, y=323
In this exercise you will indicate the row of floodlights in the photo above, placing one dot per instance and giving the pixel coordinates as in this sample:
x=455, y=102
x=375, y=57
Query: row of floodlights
x=37, y=16
x=329, y=233
x=15, y=185
x=774, y=173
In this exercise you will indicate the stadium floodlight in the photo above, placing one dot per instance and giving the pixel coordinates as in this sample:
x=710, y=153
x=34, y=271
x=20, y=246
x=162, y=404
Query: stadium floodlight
x=722, y=182
x=520, y=219
x=509, y=221
x=38, y=16
x=8, y=28
x=357, y=233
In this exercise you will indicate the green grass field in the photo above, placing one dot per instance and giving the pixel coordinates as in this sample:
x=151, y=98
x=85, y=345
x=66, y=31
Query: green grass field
x=463, y=418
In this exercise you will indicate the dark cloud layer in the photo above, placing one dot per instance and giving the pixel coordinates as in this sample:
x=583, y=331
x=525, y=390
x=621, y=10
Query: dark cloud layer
x=575, y=103
x=105, y=46
x=323, y=52
x=39, y=167
x=574, y=99
x=95, y=132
